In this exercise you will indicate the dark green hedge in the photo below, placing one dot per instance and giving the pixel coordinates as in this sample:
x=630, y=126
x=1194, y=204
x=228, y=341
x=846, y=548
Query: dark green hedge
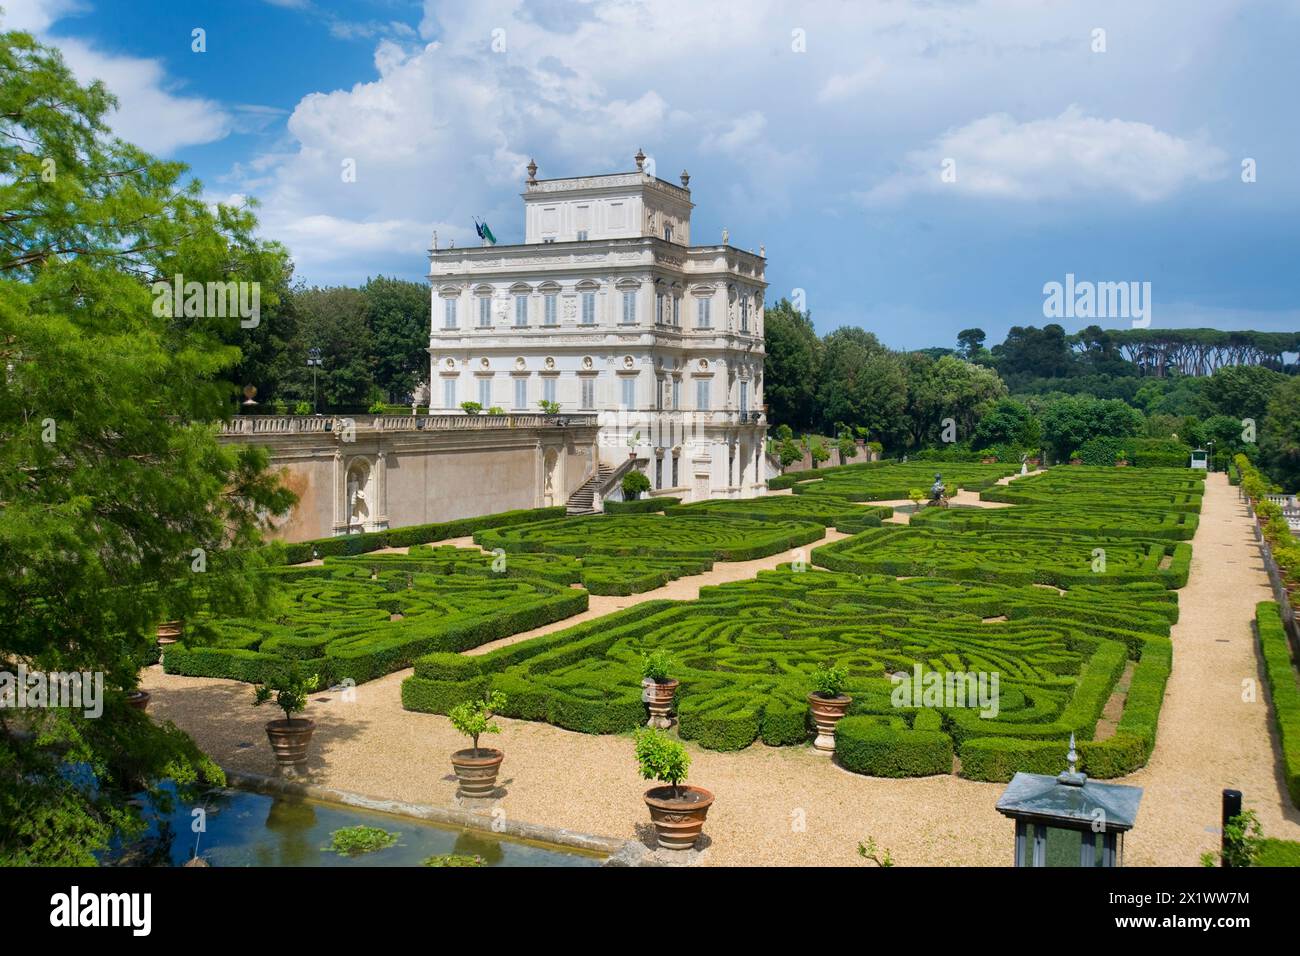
x=353, y=544
x=640, y=506
x=1284, y=690
x=871, y=746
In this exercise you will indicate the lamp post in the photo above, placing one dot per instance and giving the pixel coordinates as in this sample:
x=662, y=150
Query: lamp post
x=314, y=361
x=1210, y=445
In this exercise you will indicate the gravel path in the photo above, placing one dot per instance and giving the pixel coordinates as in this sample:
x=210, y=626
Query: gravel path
x=787, y=805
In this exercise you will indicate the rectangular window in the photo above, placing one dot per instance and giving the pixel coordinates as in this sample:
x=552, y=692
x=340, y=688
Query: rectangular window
x=521, y=310
x=659, y=308
x=448, y=313
x=744, y=313
x=659, y=473
x=677, y=401
x=659, y=394
x=448, y=393
x=744, y=398
x=702, y=394
x=485, y=393
x=549, y=312
x=484, y=312
x=629, y=391
x=588, y=392
x=582, y=235
x=629, y=308
x=702, y=319
x=521, y=393
x=677, y=310
x=674, y=471
x=588, y=308
x=548, y=389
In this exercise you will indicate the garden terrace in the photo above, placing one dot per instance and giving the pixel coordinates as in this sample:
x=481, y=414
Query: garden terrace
x=709, y=537
x=745, y=653
x=896, y=482
x=1062, y=559
x=361, y=618
x=1048, y=519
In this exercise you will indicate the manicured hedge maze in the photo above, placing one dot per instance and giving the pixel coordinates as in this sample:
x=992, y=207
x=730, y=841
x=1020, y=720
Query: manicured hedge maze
x=846, y=516
x=872, y=483
x=708, y=537
x=1162, y=489
x=338, y=618
x=1051, y=519
x=1060, y=559
x=744, y=653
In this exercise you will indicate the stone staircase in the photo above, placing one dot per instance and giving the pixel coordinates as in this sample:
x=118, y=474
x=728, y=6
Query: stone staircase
x=582, y=501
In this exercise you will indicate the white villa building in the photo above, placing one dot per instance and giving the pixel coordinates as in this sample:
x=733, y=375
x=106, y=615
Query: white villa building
x=606, y=308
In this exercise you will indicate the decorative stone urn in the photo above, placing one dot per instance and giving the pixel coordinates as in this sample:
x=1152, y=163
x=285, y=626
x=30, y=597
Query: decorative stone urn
x=826, y=713
x=477, y=770
x=678, y=819
x=659, y=698
x=289, y=740
x=139, y=699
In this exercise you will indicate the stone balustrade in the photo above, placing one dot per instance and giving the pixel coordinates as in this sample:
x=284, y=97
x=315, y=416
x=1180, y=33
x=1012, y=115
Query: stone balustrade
x=316, y=424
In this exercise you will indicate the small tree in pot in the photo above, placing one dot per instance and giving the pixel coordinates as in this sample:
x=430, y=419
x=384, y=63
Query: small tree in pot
x=634, y=482
x=828, y=704
x=656, y=665
x=676, y=810
x=289, y=737
x=477, y=767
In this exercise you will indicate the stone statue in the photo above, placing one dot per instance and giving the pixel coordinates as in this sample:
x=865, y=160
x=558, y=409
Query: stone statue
x=726, y=236
x=936, y=489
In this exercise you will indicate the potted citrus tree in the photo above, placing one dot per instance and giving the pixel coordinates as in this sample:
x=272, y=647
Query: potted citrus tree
x=828, y=704
x=676, y=810
x=289, y=737
x=477, y=767
x=1121, y=459
x=1076, y=457
x=659, y=687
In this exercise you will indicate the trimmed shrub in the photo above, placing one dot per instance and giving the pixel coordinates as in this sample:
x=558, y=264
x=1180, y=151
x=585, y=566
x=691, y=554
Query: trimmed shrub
x=1283, y=689
x=869, y=746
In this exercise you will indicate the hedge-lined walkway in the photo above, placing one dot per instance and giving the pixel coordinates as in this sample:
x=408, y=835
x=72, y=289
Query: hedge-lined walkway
x=1209, y=737
x=788, y=806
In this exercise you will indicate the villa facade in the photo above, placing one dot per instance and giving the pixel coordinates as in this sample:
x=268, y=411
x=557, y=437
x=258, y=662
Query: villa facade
x=607, y=309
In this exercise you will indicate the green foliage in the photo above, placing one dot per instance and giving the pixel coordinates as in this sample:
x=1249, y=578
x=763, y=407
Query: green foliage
x=454, y=859
x=302, y=408
x=357, y=840
x=657, y=665
x=377, y=408
x=791, y=367
x=633, y=483
x=471, y=408
x=549, y=407
x=1279, y=435
x=1284, y=689
x=828, y=680
x=398, y=318
x=1070, y=422
x=473, y=718
x=868, y=850
x=110, y=472
x=291, y=688
x=661, y=758
x=1243, y=842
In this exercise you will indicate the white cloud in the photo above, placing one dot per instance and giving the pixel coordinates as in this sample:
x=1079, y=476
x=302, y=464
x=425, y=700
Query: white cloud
x=845, y=85
x=1062, y=157
x=150, y=113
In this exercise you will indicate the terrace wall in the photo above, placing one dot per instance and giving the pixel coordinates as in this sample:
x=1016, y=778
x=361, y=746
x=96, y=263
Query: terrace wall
x=387, y=472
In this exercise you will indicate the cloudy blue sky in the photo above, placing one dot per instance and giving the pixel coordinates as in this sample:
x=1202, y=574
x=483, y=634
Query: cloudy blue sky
x=819, y=130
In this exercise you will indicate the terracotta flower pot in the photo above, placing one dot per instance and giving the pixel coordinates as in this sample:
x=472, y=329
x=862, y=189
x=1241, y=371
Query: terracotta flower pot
x=678, y=821
x=1035, y=462
x=139, y=699
x=477, y=773
x=1121, y=464
x=1076, y=461
x=826, y=713
x=659, y=698
x=169, y=632
x=988, y=460
x=289, y=740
